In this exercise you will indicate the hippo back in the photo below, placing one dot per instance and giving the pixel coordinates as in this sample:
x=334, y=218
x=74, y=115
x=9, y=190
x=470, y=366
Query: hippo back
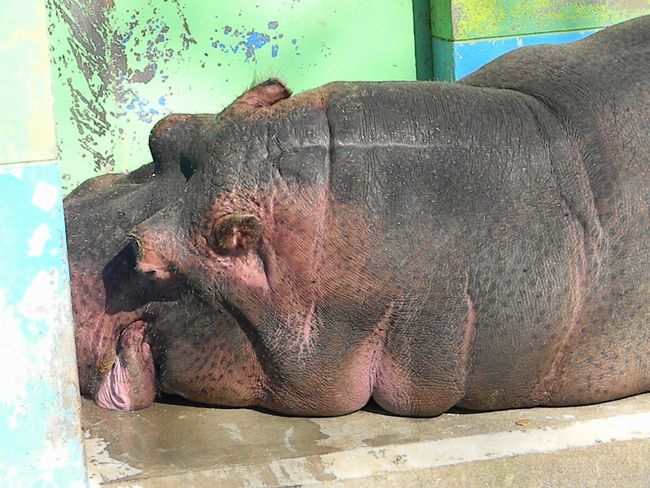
x=599, y=91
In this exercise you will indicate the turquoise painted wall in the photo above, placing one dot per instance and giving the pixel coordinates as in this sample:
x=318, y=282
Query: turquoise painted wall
x=454, y=60
x=467, y=34
x=40, y=435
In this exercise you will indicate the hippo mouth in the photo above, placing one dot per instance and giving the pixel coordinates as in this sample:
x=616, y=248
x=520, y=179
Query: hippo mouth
x=130, y=384
x=115, y=311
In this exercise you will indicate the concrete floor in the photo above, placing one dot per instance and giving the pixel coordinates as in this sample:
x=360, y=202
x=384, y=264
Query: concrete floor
x=176, y=445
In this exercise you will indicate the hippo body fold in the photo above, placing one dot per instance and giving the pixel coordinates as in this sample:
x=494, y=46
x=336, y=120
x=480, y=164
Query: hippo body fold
x=482, y=244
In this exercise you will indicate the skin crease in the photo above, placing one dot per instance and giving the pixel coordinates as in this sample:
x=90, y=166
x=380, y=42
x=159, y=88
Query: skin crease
x=479, y=244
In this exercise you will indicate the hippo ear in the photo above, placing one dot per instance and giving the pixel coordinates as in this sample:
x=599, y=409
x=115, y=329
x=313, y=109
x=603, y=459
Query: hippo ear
x=265, y=94
x=237, y=233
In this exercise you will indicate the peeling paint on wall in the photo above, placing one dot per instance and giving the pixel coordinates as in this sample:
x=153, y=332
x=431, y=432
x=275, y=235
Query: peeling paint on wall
x=247, y=42
x=40, y=438
x=122, y=65
x=83, y=61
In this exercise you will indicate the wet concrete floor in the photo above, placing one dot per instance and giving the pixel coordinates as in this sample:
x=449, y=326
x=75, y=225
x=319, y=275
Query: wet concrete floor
x=183, y=445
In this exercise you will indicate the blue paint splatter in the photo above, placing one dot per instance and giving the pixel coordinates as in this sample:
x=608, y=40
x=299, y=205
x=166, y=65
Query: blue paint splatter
x=257, y=40
x=143, y=108
x=248, y=42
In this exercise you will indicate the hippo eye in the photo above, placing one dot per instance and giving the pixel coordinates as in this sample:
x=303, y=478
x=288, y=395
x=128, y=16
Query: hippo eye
x=237, y=233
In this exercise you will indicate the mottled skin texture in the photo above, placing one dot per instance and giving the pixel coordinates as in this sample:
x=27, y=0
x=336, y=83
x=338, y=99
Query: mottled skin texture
x=481, y=244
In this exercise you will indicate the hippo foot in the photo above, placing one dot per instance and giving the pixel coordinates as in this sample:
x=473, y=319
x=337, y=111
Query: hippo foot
x=130, y=384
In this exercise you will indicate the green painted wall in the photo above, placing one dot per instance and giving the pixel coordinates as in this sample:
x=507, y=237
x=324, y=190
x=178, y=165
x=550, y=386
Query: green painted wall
x=121, y=65
x=476, y=19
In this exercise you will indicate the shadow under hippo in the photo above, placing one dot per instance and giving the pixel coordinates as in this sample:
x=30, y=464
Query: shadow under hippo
x=482, y=244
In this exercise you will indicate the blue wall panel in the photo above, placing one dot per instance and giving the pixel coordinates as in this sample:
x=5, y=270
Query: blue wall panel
x=40, y=436
x=454, y=60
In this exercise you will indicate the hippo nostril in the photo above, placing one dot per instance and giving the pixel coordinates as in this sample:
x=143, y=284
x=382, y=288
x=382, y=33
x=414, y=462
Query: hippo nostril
x=151, y=263
x=188, y=167
x=132, y=248
x=155, y=244
x=153, y=269
x=160, y=274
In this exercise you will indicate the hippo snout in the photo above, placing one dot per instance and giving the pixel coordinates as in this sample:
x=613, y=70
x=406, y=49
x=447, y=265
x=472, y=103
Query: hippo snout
x=157, y=246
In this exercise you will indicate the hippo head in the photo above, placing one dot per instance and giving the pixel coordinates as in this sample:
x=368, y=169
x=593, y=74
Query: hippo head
x=218, y=271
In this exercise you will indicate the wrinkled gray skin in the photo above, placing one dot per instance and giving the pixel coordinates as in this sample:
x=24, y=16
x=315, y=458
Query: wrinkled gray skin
x=481, y=244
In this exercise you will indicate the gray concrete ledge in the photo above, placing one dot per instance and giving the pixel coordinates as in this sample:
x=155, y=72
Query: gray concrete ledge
x=172, y=445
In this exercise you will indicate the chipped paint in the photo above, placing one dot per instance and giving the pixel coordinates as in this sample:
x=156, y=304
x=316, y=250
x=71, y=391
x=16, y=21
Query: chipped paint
x=247, y=42
x=45, y=196
x=40, y=439
x=121, y=66
x=102, y=467
x=38, y=240
x=115, y=60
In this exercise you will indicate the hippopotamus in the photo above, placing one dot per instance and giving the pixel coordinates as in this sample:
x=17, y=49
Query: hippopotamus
x=482, y=244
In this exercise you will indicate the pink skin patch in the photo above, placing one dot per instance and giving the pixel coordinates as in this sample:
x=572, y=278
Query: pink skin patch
x=468, y=339
x=97, y=331
x=366, y=365
x=392, y=386
x=278, y=266
x=130, y=384
x=248, y=269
